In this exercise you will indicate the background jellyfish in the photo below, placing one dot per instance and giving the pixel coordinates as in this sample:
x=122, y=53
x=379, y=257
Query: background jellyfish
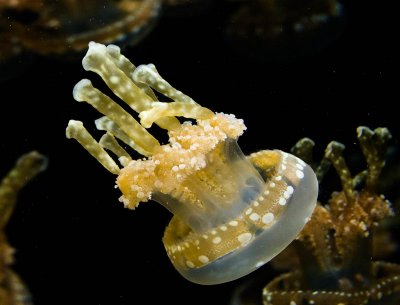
x=48, y=27
x=272, y=30
x=61, y=29
x=330, y=261
x=65, y=27
x=12, y=288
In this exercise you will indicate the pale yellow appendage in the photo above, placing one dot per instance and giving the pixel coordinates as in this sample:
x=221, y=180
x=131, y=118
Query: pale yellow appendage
x=76, y=130
x=109, y=142
x=114, y=70
x=183, y=105
x=145, y=142
x=134, y=86
x=27, y=167
x=148, y=74
x=127, y=67
x=104, y=123
x=173, y=109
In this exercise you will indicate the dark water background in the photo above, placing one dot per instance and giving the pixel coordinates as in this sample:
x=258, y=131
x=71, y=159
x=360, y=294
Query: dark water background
x=75, y=242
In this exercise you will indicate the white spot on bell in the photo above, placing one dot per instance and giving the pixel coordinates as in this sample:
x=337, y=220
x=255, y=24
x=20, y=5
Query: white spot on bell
x=244, y=238
x=286, y=194
x=203, y=259
x=299, y=174
x=267, y=218
x=189, y=264
x=254, y=217
x=217, y=240
x=282, y=201
x=259, y=264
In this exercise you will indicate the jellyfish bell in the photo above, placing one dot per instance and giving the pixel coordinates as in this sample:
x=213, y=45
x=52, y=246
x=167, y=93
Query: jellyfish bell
x=62, y=29
x=275, y=194
x=67, y=26
x=232, y=213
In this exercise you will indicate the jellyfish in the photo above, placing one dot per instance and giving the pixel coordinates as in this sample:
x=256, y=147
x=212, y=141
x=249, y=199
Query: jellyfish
x=334, y=250
x=12, y=289
x=58, y=27
x=232, y=213
x=284, y=30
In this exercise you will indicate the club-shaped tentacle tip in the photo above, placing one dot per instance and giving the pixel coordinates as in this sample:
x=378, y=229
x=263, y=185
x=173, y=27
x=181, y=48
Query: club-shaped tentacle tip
x=232, y=213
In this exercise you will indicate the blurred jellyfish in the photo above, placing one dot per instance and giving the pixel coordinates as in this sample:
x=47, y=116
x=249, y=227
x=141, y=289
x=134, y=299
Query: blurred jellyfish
x=12, y=289
x=56, y=27
x=284, y=30
x=44, y=27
